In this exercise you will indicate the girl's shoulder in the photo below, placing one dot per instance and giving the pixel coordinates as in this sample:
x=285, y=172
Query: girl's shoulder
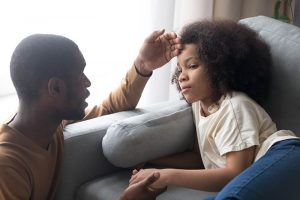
x=240, y=101
x=239, y=98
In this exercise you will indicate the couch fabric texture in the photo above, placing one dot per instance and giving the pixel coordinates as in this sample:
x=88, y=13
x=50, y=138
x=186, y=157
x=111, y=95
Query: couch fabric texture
x=91, y=171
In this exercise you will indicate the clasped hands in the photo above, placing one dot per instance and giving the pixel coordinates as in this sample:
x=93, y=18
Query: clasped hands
x=142, y=174
x=141, y=188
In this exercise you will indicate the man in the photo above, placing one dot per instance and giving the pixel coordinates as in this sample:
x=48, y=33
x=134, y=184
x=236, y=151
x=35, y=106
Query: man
x=47, y=72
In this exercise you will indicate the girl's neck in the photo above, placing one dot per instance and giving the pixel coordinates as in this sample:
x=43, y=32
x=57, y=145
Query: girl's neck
x=209, y=107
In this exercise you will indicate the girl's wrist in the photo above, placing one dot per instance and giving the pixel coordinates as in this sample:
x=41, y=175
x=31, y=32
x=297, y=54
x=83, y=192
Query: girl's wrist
x=167, y=176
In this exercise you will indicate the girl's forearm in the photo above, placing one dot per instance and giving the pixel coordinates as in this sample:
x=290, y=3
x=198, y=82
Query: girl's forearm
x=212, y=180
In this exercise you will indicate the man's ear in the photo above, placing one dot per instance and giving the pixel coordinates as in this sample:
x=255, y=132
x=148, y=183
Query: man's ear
x=56, y=87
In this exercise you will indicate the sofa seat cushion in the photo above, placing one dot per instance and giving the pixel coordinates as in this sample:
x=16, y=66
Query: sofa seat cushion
x=110, y=187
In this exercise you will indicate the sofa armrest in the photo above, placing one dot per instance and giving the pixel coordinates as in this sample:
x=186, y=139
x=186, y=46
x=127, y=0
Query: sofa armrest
x=83, y=156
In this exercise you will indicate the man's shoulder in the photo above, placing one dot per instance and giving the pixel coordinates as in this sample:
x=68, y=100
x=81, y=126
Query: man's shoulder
x=11, y=148
x=11, y=160
x=15, y=176
x=7, y=135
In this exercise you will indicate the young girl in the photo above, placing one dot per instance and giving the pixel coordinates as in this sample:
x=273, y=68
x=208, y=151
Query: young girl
x=223, y=71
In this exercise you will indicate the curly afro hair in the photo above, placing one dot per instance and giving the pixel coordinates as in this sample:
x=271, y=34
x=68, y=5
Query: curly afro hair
x=235, y=57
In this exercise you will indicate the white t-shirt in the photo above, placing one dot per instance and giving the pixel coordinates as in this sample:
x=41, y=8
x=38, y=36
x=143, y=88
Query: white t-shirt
x=236, y=123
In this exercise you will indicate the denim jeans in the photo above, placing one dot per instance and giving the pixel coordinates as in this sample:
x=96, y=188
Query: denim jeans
x=275, y=176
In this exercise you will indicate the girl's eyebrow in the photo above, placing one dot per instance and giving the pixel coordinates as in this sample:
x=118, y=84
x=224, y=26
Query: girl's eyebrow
x=187, y=59
x=190, y=58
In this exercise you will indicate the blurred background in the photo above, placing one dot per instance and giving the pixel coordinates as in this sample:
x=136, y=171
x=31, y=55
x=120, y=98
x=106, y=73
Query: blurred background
x=110, y=33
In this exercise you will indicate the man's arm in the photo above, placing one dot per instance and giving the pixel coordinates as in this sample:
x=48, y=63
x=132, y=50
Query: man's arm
x=157, y=49
x=142, y=191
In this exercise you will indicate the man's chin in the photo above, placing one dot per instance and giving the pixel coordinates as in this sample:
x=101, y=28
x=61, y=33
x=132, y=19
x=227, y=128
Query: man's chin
x=75, y=116
x=80, y=116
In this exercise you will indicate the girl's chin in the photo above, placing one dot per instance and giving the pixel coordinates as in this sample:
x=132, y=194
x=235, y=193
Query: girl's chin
x=188, y=100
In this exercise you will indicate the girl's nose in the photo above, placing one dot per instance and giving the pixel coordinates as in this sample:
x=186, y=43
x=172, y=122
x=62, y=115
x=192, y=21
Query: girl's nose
x=182, y=77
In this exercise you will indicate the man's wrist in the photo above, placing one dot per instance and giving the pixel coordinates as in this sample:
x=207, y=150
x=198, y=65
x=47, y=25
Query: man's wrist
x=140, y=70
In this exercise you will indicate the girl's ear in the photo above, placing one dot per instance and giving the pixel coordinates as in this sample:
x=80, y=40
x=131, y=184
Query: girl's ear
x=56, y=87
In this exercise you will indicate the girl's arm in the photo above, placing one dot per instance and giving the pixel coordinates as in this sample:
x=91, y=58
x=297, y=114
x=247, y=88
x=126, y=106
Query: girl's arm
x=202, y=179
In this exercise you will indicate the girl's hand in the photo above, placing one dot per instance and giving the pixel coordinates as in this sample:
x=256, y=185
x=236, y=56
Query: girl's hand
x=141, y=190
x=138, y=176
x=139, y=166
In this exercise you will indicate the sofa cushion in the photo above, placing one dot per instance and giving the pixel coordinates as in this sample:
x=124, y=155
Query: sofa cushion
x=111, y=187
x=137, y=139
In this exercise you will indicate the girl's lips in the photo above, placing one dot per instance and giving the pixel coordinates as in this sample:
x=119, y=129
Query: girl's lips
x=185, y=90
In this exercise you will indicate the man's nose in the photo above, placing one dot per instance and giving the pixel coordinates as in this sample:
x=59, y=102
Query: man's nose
x=87, y=82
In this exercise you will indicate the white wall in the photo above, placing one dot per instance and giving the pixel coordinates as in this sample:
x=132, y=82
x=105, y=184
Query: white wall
x=159, y=15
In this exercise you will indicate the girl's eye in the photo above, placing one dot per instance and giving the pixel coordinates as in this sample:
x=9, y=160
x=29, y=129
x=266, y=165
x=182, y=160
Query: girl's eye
x=192, y=66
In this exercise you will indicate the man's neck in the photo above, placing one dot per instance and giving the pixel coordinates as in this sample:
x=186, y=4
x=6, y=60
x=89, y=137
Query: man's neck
x=36, y=125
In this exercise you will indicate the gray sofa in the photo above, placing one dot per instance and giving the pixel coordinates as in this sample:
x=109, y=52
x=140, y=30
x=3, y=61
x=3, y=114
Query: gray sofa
x=92, y=170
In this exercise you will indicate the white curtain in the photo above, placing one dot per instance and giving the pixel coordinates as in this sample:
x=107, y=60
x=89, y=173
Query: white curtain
x=158, y=15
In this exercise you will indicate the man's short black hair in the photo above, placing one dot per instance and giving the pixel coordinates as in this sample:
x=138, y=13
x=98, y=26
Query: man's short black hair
x=36, y=59
x=235, y=57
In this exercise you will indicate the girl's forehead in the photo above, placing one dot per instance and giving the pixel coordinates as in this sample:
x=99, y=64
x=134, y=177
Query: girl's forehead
x=189, y=51
x=191, y=46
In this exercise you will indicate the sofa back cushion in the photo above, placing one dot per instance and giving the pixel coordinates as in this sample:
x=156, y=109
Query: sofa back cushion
x=284, y=40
